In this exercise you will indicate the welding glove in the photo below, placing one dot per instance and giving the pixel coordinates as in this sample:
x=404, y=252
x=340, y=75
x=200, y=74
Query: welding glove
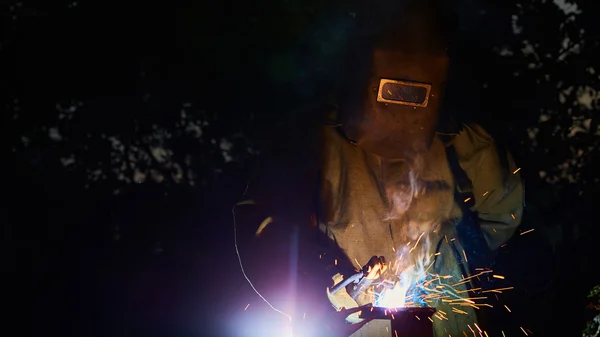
x=342, y=298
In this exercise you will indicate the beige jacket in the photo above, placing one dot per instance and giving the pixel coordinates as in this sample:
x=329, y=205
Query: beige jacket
x=358, y=188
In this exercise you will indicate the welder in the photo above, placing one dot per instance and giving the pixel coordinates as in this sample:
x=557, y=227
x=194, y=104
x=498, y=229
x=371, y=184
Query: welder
x=382, y=167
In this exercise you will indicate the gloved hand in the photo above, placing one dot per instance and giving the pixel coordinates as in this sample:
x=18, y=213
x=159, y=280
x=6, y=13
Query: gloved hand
x=331, y=324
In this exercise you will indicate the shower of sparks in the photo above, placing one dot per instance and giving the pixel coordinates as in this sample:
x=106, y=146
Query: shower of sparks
x=408, y=282
x=527, y=231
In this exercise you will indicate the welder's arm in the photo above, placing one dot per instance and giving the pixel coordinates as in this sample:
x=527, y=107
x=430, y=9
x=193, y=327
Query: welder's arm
x=499, y=197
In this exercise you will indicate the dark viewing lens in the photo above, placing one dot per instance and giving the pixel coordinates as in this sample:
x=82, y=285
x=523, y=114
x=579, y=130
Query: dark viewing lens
x=404, y=93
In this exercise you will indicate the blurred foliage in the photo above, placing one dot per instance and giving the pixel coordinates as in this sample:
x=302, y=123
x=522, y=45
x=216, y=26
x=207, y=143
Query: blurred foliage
x=593, y=326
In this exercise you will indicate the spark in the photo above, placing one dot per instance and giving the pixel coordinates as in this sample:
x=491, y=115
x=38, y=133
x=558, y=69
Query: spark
x=485, y=333
x=460, y=299
x=392, y=316
x=527, y=231
x=465, y=255
x=513, y=216
x=320, y=256
x=517, y=170
x=467, y=199
x=452, y=239
x=459, y=311
x=473, y=298
x=499, y=289
x=524, y=331
x=473, y=331
x=430, y=319
x=486, y=193
x=419, y=239
x=246, y=308
x=417, y=317
x=464, y=333
x=503, y=334
x=494, y=229
x=477, y=327
x=507, y=308
x=498, y=276
x=464, y=279
x=486, y=305
x=396, y=333
x=438, y=253
x=504, y=245
x=445, y=237
x=393, y=249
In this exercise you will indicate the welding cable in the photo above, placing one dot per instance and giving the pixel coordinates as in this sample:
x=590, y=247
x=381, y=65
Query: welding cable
x=237, y=251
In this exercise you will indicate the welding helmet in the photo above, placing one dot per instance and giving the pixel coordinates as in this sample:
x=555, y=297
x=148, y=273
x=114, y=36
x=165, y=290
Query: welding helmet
x=391, y=104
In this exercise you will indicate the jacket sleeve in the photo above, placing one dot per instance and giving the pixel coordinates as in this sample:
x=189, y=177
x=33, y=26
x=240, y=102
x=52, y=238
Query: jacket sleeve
x=497, y=186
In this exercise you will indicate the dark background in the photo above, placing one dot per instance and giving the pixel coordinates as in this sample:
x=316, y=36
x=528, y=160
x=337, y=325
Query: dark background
x=129, y=131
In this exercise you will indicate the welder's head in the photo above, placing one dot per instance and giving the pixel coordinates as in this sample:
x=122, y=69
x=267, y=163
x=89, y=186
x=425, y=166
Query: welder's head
x=392, y=106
